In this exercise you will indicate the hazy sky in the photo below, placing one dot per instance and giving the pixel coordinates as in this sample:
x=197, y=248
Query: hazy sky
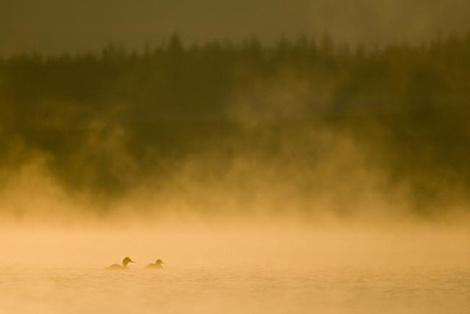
x=58, y=25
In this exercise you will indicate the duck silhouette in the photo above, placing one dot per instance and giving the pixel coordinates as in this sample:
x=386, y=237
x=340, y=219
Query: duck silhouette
x=157, y=264
x=125, y=261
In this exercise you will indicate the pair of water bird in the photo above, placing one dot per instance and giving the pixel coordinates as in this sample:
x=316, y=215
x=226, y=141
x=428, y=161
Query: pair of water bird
x=127, y=260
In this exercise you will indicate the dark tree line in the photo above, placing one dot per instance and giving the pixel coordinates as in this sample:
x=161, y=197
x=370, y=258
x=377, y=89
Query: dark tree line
x=106, y=120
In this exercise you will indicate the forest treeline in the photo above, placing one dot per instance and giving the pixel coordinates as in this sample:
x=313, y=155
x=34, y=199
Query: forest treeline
x=108, y=121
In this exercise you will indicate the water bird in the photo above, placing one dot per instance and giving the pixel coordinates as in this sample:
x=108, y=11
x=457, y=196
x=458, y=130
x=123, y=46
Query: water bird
x=125, y=261
x=157, y=264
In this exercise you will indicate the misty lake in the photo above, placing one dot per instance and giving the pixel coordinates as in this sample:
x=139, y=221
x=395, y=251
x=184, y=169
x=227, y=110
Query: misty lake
x=242, y=289
x=280, y=157
x=235, y=268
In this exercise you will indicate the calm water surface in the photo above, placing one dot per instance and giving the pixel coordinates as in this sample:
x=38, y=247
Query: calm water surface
x=240, y=289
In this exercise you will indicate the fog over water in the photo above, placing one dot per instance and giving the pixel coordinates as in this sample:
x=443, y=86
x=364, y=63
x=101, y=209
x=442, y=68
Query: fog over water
x=254, y=267
x=246, y=258
x=278, y=157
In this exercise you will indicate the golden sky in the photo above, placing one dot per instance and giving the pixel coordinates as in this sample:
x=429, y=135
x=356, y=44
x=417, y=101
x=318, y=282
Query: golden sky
x=53, y=26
